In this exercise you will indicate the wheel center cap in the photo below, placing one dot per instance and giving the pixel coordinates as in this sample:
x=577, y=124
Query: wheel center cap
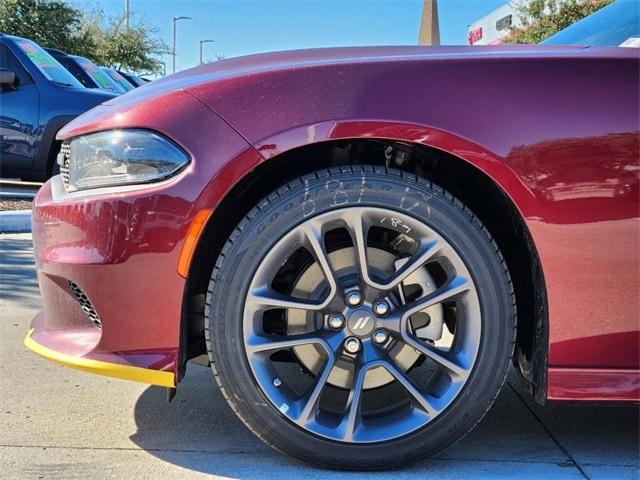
x=361, y=322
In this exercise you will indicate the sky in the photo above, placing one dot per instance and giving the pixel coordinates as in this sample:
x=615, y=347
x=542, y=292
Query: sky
x=243, y=27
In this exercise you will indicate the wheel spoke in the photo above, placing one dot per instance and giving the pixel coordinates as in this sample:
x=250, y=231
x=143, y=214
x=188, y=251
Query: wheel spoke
x=264, y=298
x=312, y=399
x=391, y=323
x=454, y=287
x=358, y=230
x=352, y=416
x=315, y=239
x=334, y=339
x=412, y=264
x=456, y=371
x=262, y=343
x=420, y=398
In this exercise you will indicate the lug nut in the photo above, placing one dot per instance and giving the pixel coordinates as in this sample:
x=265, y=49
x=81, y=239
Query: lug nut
x=336, y=321
x=354, y=298
x=380, y=336
x=352, y=345
x=381, y=308
x=277, y=382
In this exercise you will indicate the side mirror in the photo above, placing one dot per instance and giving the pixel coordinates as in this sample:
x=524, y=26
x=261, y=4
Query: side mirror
x=7, y=79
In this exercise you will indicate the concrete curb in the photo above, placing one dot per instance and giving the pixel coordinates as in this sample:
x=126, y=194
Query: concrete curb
x=15, y=221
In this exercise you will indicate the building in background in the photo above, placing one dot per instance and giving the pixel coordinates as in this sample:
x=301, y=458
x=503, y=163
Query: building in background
x=429, y=26
x=494, y=27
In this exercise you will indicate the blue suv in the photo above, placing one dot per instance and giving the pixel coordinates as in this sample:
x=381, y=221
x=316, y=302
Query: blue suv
x=38, y=97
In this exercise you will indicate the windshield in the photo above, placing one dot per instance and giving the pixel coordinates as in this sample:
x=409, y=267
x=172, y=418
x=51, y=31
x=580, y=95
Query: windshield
x=119, y=79
x=615, y=25
x=48, y=65
x=101, y=78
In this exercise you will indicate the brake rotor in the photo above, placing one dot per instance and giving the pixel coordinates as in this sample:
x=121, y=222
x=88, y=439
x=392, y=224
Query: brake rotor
x=427, y=324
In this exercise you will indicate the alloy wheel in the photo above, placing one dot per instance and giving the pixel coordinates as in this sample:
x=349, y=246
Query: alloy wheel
x=361, y=324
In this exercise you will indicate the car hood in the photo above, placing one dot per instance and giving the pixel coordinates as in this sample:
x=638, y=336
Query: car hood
x=298, y=59
x=243, y=90
x=97, y=93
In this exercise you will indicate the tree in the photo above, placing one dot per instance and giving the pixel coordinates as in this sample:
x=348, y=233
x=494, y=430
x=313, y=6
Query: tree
x=50, y=23
x=218, y=57
x=105, y=40
x=135, y=48
x=543, y=18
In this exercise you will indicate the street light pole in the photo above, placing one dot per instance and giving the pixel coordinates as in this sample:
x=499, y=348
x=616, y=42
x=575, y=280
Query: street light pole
x=175, y=19
x=126, y=14
x=201, y=42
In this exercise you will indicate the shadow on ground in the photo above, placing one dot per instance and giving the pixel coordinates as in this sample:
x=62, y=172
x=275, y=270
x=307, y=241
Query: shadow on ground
x=198, y=431
x=18, y=280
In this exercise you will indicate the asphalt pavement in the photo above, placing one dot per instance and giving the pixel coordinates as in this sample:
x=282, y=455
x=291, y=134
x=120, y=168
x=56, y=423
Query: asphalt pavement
x=57, y=423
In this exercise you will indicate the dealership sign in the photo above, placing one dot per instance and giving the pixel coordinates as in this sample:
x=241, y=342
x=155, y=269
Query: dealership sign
x=475, y=35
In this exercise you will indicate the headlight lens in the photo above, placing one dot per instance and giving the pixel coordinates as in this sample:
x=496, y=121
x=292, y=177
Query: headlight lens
x=122, y=157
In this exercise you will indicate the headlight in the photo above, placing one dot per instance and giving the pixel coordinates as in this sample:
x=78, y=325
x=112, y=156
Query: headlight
x=122, y=157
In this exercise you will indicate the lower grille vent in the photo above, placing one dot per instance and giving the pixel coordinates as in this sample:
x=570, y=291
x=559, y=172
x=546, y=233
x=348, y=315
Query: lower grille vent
x=85, y=304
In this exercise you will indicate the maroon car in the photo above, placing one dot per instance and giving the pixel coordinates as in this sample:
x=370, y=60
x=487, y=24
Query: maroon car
x=361, y=239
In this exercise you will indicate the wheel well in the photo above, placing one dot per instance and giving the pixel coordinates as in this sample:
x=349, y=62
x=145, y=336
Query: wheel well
x=50, y=146
x=470, y=185
x=52, y=158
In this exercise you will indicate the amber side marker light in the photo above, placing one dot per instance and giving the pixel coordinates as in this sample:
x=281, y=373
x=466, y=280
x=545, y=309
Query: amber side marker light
x=191, y=241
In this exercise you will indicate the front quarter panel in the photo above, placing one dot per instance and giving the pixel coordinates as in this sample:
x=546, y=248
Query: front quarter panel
x=556, y=129
x=122, y=246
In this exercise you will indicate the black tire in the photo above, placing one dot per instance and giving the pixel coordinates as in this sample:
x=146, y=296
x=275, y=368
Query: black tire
x=55, y=170
x=52, y=164
x=277, y=214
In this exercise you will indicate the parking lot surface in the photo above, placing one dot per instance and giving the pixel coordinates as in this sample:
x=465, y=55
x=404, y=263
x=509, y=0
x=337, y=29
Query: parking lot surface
x=61, y=423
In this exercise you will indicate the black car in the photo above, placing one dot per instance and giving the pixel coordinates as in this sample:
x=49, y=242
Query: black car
x=133, y=78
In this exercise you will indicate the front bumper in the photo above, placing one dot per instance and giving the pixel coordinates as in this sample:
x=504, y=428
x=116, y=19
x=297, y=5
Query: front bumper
x=122, y=251
x=122, y=247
